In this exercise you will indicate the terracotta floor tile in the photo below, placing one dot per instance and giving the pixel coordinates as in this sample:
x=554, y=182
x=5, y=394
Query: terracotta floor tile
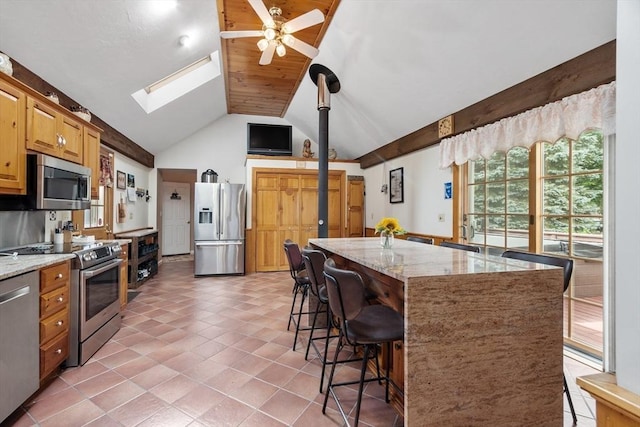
x=285, y=406
x=277, y=374
x=120, y=358
x=55, y=403
x=199, y=400
x=76, y=415
x=229, y=412
x=228, y=380
x=135, y=366
x=251, y=364
x=154, y=376
x=137, y=410
x=174, y=388
x=75, y=375
x=117, y=395
x=103, y=421
x=254, y=392
x=169, y=417
x=100, y=383
x=258, y=419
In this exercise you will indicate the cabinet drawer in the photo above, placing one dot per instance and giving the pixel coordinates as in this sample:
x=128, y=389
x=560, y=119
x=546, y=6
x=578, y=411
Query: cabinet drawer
x=54, y=325
x=53, y=277
x=53, y=354
x=53, y=301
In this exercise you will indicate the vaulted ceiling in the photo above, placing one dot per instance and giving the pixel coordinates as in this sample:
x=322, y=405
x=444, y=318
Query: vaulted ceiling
x=402, y=64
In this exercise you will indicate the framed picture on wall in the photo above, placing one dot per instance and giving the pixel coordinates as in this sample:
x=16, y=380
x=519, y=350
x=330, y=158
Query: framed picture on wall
x=121, y=180
x=131, y=180
x=396, y=186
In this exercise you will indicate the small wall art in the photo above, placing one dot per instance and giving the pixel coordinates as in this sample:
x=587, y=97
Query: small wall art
x=396, y=186
x=121, y=180
x=131, y=180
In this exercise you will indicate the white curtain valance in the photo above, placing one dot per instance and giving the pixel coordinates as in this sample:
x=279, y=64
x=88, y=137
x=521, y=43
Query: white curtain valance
x=568, y=117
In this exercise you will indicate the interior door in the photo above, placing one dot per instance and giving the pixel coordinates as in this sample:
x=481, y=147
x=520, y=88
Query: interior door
x=176, y=218
x=355, y=206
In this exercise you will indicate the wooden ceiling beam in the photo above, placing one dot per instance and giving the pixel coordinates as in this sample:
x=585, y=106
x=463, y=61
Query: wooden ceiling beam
x=584, y=72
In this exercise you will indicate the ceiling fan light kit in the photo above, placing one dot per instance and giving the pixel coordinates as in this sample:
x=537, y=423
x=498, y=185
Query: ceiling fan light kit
x=276, y=32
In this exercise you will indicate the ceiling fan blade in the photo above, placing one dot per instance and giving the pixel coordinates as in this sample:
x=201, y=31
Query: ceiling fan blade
x=237, y=34
x=267, y=54
x=308, y=19
x=261, y=11
x=302, y=47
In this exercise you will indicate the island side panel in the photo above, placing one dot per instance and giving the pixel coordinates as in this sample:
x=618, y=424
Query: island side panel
x=484, y=349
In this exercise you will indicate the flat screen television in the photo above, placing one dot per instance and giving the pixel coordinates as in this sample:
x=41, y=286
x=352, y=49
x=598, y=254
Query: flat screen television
x=270, y=140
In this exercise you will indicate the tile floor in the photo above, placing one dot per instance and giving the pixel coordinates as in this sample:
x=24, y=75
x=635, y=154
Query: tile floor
x=212, y=351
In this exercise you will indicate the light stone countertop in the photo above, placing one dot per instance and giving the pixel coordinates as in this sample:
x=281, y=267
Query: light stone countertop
x=10, y=267
x=137, y=233
x=408, y=259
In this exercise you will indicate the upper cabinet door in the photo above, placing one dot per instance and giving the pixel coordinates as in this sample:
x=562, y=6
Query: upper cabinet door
x=92, y=158
x=12, y=154
x=54, y=133
x=72, y=142
x=42, y=128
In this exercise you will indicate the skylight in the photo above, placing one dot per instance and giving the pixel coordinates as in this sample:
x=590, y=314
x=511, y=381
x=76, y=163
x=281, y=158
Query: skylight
x=183, y=81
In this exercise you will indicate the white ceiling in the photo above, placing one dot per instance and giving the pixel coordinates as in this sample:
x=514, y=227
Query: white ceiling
x=402, y=64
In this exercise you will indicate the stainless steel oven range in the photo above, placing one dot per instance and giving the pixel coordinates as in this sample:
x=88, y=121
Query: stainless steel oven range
x=94, y=300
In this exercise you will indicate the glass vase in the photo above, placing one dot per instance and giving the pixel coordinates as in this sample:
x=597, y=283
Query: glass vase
x=386, y=239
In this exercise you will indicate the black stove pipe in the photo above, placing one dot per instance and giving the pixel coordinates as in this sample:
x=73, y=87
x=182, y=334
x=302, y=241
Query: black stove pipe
x=327, y=83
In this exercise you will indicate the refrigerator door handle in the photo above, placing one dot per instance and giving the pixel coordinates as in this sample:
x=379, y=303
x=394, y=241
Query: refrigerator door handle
x=221, y=212
x=219, y=243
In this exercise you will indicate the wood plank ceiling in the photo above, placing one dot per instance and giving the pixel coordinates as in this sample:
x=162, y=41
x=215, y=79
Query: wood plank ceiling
x=265, y=90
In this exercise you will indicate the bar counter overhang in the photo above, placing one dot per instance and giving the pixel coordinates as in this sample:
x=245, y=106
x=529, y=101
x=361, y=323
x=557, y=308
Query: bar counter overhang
x=483, y=334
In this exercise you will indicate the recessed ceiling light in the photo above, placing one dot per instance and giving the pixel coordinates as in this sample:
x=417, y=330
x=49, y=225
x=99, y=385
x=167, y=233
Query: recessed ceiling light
x=184, y=41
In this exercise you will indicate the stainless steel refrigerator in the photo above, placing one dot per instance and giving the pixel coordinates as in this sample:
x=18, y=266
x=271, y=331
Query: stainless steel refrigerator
x=219, y=210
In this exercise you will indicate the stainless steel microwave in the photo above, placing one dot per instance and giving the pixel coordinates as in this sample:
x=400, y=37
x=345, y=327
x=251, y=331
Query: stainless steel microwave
x=52, y=184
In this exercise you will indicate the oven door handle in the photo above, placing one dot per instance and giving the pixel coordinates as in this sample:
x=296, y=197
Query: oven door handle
x=101, y=269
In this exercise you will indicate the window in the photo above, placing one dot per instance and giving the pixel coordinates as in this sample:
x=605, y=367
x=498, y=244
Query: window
x=548, y=199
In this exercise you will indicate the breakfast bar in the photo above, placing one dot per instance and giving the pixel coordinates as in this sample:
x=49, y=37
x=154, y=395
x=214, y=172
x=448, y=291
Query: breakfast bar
x=483, y=334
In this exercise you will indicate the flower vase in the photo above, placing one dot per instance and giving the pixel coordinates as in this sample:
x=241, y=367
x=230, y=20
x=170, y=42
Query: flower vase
x=386, y=239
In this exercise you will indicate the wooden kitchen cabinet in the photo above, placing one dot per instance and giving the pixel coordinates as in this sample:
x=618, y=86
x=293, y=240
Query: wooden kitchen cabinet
x=51, y=132
x=143, y=255
x=124, y=279
x=12, y=134
x=92, y=158
x=54, y=317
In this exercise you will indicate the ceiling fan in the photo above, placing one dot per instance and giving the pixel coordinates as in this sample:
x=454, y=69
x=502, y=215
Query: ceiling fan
x=276, y=32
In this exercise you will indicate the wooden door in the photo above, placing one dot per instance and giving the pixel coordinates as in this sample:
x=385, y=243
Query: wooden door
x=265, y=222
x=355, y=206
x=42, y=128
x=72, y=134
x=12, y=154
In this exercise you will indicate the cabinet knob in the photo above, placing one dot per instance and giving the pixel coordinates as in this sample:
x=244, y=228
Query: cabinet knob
x=7, y=164
x=58, y=351
x=60, y=299
x=397, y=346
x=59, y=276
x=59, y=323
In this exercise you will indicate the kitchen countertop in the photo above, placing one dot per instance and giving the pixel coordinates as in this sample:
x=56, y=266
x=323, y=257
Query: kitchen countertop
x=10, y=267
x=136, y=233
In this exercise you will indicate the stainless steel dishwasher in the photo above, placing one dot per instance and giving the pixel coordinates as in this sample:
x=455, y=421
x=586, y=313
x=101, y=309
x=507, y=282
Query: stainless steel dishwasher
x=19, y=341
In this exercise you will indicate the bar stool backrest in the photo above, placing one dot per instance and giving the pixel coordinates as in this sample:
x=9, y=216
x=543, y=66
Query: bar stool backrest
x=314, y=264
x=294, y=257
x=460, y=246
x=420, y=240
x=346, y=293
x=566, y=264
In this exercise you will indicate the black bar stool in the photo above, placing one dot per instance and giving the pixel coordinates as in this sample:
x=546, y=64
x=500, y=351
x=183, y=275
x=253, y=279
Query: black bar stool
x=567, y=267
x=361, y=325
x=426, y=240
x=301, y=285
x=452, y=245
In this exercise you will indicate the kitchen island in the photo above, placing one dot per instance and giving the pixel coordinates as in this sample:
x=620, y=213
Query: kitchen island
x=483, y=334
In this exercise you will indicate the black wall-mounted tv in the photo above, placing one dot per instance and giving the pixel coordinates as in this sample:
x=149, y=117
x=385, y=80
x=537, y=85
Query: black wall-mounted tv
x=270, y=140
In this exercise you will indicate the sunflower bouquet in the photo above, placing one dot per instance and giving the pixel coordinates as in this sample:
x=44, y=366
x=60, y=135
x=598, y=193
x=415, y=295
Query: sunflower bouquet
x=388, y=227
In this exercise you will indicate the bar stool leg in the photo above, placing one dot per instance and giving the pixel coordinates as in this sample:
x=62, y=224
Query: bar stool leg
x=566, y=390
x=305, y=290
x=296, y=289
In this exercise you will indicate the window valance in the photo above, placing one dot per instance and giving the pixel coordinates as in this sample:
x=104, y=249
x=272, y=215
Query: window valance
x=568, y=117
